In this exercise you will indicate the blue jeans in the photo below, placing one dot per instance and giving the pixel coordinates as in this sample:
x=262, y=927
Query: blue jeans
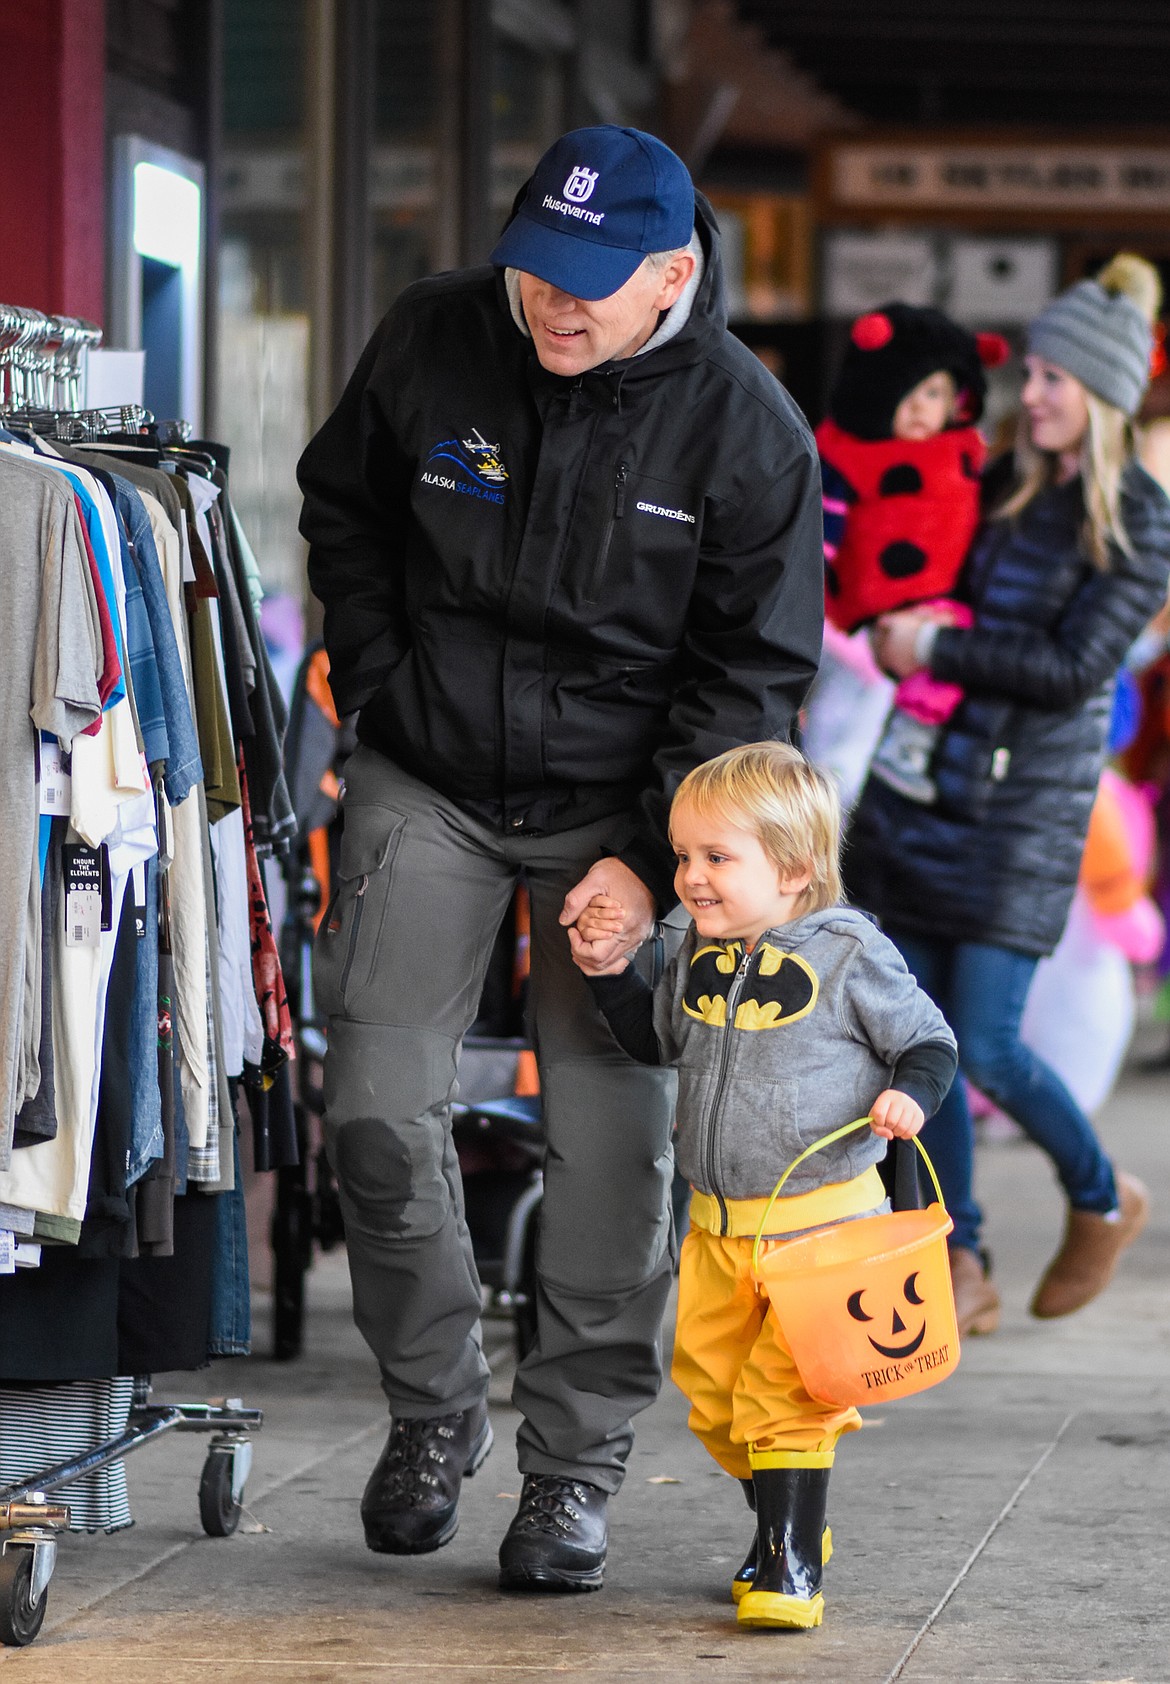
x=231, y=1302
x=981, y=990
x=146, y=1129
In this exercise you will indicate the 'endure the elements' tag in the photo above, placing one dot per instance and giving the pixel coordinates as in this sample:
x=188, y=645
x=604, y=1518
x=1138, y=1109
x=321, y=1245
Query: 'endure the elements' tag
x=84, y=898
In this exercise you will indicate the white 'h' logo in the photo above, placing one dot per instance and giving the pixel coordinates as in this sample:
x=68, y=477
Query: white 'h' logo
x=580, y=184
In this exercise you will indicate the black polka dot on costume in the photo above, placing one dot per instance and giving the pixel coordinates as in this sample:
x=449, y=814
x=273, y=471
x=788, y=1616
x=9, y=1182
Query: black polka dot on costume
x=832, y=582
x=902, y=560
x=967, y=463
x=902, y=480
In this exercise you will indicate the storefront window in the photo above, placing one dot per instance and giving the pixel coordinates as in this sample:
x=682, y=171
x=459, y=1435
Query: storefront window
x=307, y=265
x=264, y=321
x=528, y=100
x=407, y=184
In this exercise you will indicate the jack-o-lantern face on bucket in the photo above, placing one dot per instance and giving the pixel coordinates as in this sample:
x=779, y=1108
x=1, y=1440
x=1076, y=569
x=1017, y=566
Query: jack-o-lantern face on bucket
x=867, y=1307
x=897, y=1325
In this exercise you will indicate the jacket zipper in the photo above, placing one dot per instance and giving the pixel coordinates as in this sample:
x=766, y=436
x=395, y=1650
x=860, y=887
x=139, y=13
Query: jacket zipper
x=619, y=508
x=351, y=951
x=724, y=1060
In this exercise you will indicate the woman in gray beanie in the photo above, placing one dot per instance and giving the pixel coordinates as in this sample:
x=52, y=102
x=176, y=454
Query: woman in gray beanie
x=975, y=886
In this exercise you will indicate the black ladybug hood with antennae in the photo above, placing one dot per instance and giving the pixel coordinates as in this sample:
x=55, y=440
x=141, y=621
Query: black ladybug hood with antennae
x=892, y=349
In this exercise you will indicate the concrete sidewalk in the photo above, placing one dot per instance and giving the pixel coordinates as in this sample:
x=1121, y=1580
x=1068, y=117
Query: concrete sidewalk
x=1013, y=1524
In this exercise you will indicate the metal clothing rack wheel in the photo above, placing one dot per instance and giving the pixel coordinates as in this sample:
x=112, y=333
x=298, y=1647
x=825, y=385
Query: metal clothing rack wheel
x=29, y=1523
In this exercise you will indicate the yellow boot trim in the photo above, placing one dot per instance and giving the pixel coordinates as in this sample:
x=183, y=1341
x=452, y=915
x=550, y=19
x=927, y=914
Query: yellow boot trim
x=769, y=1608
x=740, y=1587
x=790, y=1458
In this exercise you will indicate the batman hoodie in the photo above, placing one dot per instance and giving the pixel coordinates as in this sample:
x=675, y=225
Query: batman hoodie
x=777, y=1048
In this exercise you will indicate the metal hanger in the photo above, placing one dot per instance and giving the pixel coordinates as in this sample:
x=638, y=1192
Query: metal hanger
x=40, y=357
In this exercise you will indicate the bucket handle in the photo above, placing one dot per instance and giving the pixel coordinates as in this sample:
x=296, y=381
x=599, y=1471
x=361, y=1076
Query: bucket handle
x=817, y=1145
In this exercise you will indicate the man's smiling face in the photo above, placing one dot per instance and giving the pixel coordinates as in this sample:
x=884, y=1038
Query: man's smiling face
x=572, y=335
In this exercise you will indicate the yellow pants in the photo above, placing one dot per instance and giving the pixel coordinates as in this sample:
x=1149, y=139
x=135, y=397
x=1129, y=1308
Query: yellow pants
x=732, y=1363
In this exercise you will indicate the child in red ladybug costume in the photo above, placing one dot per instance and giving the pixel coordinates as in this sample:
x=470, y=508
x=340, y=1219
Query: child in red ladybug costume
x=900, y=466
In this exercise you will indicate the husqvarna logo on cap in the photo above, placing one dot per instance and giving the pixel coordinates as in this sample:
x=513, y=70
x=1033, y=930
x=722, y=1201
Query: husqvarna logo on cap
x=599, y=201
x=580, y=184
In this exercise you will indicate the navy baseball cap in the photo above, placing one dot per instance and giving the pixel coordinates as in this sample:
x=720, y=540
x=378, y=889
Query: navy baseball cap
x=598, y=201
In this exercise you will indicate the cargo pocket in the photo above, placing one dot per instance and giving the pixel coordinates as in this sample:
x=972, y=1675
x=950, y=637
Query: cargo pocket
x=345, y=952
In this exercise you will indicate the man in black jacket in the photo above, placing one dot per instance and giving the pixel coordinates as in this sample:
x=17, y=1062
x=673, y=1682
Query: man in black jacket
x=566, y=530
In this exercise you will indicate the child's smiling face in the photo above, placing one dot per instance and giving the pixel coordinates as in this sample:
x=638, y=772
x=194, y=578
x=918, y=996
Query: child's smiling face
x=927, y=408
x=726, y=881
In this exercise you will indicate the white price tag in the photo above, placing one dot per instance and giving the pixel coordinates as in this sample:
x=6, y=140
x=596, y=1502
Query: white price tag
x=55, y=780
x=7, y=1253
x=83, y=918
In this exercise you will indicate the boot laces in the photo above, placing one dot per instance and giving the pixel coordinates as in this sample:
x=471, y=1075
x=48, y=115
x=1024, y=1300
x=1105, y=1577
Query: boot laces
x=413, y=1451
x=547, y=1503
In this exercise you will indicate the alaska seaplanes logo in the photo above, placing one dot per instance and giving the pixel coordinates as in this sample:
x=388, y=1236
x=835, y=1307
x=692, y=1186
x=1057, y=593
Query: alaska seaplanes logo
x=478, y=470
x=577, y=189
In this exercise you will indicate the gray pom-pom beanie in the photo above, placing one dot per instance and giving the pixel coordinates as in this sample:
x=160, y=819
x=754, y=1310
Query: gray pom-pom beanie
x=1099, y=337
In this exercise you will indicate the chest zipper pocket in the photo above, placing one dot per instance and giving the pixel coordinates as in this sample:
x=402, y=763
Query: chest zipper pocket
x=597, y=577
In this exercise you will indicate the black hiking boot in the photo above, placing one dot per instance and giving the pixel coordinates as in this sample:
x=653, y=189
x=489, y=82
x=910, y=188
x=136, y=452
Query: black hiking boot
x=557, y=1539
x=411, y=1502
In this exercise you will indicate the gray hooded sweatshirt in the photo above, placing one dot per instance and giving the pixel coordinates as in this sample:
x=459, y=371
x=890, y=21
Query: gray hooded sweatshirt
x=776, y=1049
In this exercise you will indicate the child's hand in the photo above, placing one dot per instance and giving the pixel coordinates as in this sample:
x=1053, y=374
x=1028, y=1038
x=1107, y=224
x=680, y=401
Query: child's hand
x=601, y=919
x=895, y=1116
x=893, y=638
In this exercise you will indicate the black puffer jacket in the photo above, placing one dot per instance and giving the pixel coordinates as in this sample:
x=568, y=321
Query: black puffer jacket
x=550, y=598
x=996, y=858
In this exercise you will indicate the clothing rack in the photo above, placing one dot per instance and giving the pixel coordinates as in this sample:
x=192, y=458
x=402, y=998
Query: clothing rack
x=40, y=393
x=40, y=380
x=40, y=358
x=81, y=426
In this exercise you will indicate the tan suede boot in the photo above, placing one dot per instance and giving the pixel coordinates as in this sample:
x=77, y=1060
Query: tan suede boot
x=1088, y=1255
x=976, y=1300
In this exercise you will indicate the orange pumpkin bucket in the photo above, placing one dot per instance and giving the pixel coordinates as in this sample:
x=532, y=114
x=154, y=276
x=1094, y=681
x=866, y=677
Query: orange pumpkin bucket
x=866, y=1307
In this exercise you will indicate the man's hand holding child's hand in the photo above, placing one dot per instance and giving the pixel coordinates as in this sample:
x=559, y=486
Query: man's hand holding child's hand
x=613, y=904
x=602, y=921
x=895, y=1116
x=603, y=917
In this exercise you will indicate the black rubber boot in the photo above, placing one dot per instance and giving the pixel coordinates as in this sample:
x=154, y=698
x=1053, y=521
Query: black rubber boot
x=411, y=1502
x=746, y=1577
x=557, y=1539
x=790, y=1520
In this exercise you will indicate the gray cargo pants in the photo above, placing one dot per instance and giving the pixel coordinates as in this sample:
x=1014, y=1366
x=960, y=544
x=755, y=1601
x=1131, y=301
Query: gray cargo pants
x=398, y=968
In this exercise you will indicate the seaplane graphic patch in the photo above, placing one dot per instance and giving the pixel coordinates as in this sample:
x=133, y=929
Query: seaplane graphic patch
x=476, y=469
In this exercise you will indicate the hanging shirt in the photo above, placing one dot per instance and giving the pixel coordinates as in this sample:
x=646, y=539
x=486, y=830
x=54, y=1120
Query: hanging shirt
x=184, y=767
x=52, y=1177
x=185, y=888
x=52, y=662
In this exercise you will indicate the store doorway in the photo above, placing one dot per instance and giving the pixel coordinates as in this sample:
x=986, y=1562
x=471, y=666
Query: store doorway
x=157, y=273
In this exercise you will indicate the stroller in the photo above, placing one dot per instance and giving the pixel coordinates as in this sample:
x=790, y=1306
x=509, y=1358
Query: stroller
x=496, y=1123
